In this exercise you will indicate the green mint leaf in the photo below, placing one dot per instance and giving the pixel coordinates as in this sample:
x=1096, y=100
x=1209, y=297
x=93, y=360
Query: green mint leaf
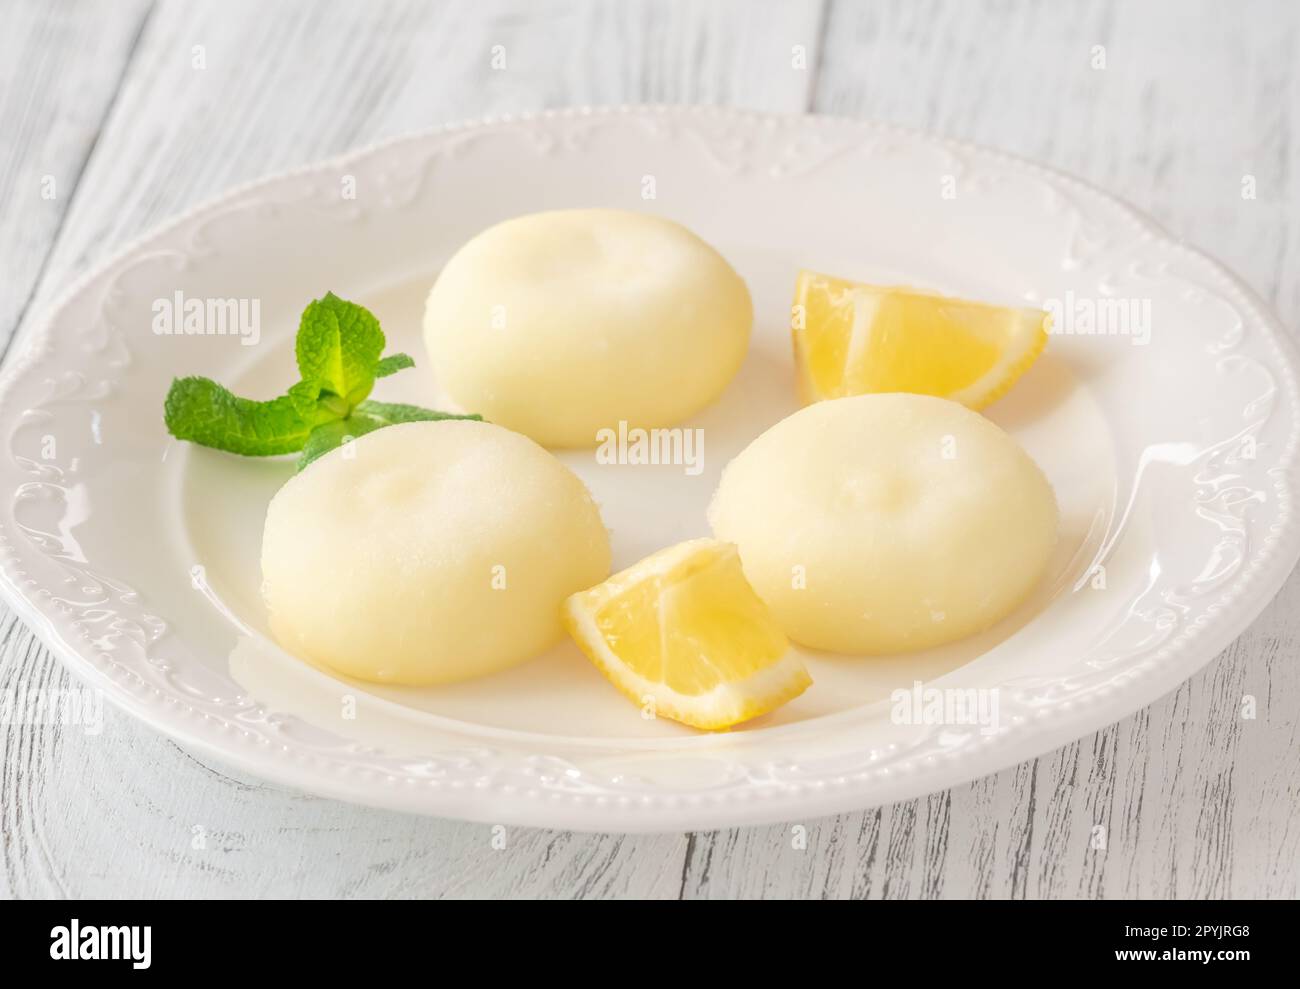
x=331, y=435
x=304, y=396
x=315, y=406
x=338, y=346
x=202, y=411
x=366, y=418
x=395, y=412
x=392, y=364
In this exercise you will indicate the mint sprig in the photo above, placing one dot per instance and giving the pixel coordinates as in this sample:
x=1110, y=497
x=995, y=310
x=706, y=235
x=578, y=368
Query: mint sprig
x=202, y=411
x=338, y=352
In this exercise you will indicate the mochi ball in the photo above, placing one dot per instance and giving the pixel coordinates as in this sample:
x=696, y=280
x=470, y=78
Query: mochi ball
x=887, y=523
x=429, y=552
x=565, y=323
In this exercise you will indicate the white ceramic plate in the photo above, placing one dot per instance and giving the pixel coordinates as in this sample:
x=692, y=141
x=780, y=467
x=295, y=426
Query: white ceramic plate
x=1171, y=446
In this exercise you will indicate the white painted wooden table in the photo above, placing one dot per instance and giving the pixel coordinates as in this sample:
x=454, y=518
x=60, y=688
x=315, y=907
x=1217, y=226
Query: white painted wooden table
x=114, y=115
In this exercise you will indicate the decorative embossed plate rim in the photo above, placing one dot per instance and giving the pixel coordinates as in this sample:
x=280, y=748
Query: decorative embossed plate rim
x=107, y=636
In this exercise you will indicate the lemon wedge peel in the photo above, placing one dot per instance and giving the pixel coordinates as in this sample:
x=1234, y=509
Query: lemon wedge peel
x=857, y=338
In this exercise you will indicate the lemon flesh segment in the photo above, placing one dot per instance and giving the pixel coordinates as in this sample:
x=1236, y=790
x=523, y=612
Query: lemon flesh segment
x=683, y=631
x=858, y=339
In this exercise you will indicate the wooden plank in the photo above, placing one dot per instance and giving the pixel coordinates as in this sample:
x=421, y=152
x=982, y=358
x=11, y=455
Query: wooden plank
x=1196, y=800
x=60, y=65
x=275, y=85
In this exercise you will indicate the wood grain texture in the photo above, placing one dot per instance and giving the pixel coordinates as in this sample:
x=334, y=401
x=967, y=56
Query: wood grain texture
x=1194, y=799
x=60, y=69
x=121, y=813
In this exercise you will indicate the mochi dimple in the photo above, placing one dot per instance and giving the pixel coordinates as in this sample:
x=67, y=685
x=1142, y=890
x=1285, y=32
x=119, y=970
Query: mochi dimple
x=887, y=523
x=564, y=323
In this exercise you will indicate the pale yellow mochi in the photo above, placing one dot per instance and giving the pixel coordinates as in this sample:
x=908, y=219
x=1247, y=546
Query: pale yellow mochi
x=565, y=323
x=887, y=523
x=429, y=552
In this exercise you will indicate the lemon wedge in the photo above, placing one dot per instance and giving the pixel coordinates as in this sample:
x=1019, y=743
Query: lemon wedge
x=684, y=635
x=855, y=339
